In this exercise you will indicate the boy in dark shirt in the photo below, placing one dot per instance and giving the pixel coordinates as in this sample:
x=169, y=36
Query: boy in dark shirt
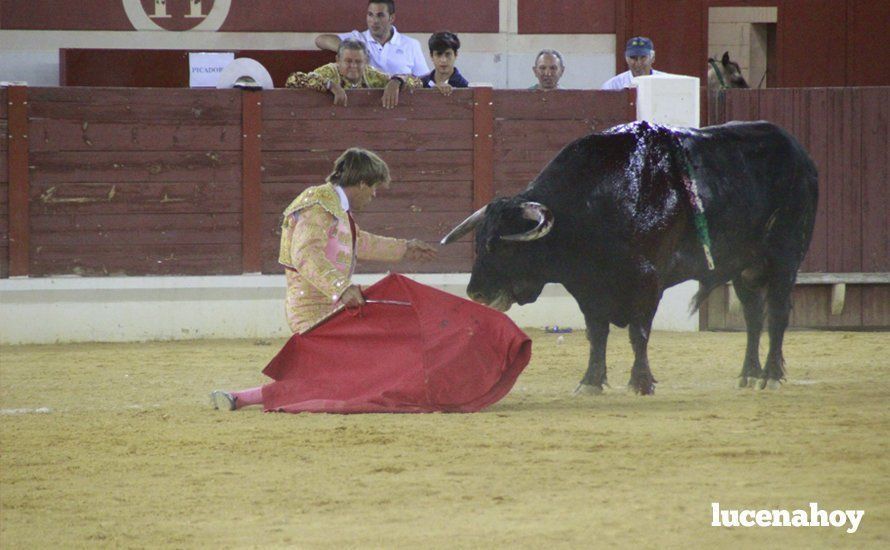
x=444, y=76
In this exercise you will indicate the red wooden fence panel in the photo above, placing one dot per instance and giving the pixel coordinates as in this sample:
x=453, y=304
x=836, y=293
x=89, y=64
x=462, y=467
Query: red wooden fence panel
x=135, y=181
x=531, y=127
x=875, y=160
x=251, y=181
x=4, y=187
x=18, y=175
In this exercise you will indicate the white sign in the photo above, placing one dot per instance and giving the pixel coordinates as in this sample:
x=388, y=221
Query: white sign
x=205, y=68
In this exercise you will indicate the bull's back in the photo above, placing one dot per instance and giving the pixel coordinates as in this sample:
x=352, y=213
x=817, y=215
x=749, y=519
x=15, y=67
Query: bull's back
x=753, y=164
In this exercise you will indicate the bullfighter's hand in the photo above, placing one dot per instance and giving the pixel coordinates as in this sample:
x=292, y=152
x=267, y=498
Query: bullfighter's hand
x=391, y=94
x=339, y=94
x=352, y=296
x=420, y=251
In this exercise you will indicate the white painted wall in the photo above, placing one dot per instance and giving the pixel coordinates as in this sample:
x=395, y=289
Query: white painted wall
x=125, y=309
x=502, y=59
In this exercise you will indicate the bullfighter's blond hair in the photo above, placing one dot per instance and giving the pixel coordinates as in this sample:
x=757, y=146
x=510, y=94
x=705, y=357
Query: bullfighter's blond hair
x=357, y=166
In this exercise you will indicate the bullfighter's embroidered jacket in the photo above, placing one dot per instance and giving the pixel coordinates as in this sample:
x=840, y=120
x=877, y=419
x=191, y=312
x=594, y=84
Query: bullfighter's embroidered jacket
x=318, y=251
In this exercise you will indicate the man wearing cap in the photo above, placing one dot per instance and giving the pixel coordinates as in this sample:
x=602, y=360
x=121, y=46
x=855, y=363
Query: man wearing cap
x=389, y=50
x=639, y=55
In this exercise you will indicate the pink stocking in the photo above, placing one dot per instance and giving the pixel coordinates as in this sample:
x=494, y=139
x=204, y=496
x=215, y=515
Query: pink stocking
x=245, y=398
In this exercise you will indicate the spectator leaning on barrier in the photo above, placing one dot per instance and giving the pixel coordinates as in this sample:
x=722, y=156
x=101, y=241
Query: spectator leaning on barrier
x=639, y=55
x=444, y=76
x=548, y=68
x=389, y=50
x=350, y=71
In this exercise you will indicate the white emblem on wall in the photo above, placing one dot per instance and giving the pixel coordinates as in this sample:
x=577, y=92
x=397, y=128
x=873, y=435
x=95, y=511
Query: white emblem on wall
x=146, y=19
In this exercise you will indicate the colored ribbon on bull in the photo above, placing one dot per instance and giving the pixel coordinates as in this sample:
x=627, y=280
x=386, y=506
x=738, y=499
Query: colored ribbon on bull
x=701, y=222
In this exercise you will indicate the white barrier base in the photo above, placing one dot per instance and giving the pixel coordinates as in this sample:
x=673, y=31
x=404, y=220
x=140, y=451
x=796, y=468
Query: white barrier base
x=125, y=309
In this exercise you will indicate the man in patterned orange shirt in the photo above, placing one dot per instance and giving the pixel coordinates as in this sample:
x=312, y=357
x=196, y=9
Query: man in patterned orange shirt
x=350, y=71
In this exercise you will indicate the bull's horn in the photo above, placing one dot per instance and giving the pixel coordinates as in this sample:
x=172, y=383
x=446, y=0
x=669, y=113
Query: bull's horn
x=534, y=211
x=465, y=226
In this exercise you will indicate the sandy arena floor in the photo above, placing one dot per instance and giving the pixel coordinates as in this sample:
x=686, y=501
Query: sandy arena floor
x=115, y=445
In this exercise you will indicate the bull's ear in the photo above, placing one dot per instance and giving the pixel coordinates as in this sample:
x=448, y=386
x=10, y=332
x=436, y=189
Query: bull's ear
x=725, y=59
x=465, y=226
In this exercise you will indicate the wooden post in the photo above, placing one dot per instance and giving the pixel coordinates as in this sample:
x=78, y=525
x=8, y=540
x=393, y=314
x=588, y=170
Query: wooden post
x=483, y=147
x=19, y=184
x=251, y=181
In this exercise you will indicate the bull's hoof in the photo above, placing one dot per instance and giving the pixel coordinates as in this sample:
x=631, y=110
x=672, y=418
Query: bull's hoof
x=748, y=381
x=588, y=389
x=642, y=388
x=770, y=384
x=743, y=381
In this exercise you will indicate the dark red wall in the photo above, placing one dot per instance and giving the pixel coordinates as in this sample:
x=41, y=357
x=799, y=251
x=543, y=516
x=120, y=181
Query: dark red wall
x=868, y=43
x=567, y=17
x=676, y=28
x=819, y=42
x=260, y=15
x=169, y=68
x=812, y=43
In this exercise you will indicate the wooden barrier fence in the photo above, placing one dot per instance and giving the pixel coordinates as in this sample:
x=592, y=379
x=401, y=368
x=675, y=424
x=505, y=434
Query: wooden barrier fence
x=123, y=181
x=126, y=181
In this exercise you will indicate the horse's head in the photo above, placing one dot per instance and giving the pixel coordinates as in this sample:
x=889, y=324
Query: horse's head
x=725, y=73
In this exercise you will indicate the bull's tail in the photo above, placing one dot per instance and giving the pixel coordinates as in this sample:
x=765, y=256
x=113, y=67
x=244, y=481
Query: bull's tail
x=703, y=292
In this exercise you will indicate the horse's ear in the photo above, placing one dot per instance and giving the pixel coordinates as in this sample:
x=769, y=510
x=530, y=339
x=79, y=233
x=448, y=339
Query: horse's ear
x=725, y=59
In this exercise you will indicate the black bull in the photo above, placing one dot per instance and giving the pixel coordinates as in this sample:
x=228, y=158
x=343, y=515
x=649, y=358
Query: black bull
x=612, y=219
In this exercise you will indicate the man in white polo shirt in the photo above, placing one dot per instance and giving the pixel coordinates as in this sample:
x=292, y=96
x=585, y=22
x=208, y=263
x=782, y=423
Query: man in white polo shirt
x=639, y=55
x=390, y=51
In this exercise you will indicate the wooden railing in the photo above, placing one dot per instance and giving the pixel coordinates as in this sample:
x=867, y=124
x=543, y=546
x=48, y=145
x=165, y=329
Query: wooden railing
x=124, y=181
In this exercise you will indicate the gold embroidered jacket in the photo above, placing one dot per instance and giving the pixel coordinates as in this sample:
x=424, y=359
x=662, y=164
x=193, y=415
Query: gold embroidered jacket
x=318, y=251
x=372, y=78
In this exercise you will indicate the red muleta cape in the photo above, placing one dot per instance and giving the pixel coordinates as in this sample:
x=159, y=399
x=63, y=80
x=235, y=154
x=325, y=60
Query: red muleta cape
x=441, y=353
